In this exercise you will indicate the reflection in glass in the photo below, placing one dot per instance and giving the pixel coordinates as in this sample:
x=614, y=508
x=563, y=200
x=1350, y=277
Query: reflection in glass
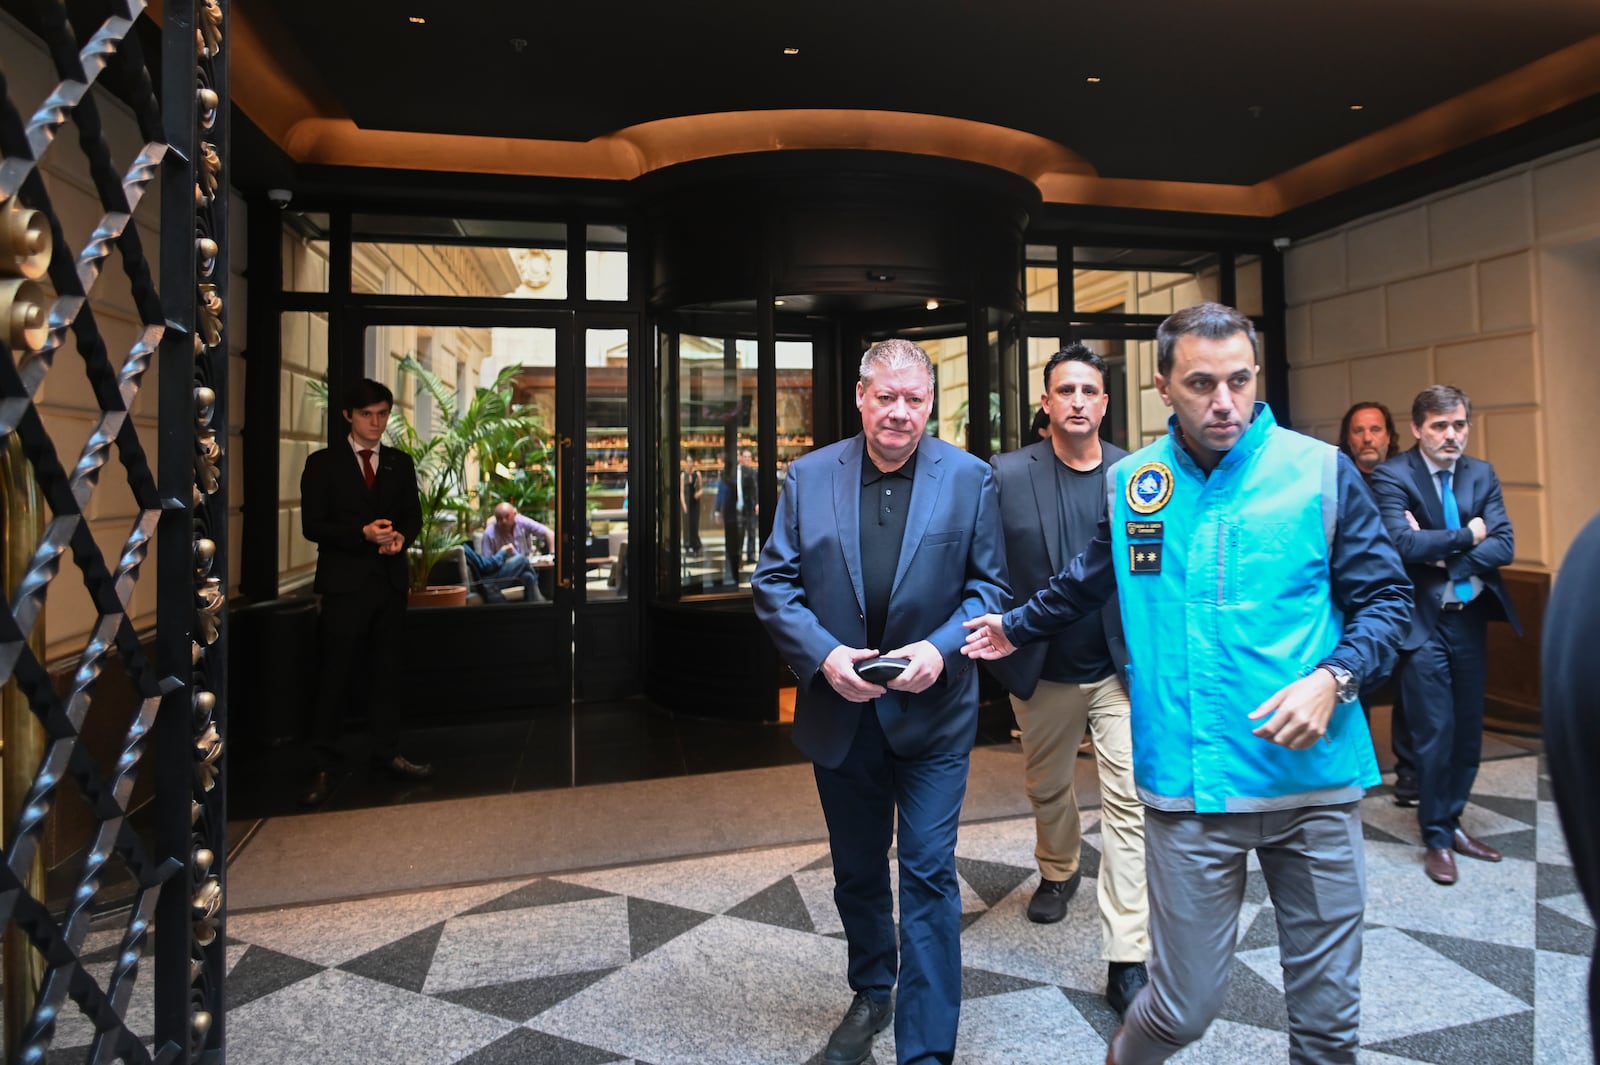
x=950, y=418
x=532, y=273
x=716, y=441
x=606, y=262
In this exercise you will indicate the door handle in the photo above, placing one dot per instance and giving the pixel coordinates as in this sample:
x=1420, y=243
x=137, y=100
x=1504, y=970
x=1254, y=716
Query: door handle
x=563, y=538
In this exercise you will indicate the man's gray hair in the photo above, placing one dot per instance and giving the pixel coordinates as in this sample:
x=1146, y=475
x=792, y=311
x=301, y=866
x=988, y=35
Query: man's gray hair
x=895, y=354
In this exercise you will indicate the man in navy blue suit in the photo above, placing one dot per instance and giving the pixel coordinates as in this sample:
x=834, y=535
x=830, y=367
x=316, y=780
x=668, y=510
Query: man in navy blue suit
x=884, y=544
x=1444, y=512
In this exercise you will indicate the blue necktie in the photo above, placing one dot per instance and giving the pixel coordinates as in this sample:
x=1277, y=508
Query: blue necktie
x=1452, y=520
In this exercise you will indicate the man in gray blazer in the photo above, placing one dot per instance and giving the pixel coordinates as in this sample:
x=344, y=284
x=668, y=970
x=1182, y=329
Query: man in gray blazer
x=1052, y=497
x=884, y=544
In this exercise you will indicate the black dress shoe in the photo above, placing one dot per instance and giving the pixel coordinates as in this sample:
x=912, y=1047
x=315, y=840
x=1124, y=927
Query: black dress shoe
x=1123, y=981
x=1406, y=791
x=1049, y=902
x=320, y=788
x=851, y=1042
x=399, y=767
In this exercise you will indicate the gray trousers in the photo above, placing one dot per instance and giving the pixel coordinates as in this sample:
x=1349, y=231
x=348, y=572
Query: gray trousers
x=1315, y=869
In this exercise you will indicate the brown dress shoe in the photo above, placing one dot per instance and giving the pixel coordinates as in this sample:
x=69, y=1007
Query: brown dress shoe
x=1440, y=865
x=1465, y=844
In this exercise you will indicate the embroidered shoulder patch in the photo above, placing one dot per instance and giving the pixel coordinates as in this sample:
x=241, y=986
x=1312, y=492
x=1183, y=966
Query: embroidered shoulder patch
x=1149, y=488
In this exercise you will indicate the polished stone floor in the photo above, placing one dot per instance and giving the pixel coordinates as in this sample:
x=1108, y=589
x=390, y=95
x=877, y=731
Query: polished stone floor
x=737, y=959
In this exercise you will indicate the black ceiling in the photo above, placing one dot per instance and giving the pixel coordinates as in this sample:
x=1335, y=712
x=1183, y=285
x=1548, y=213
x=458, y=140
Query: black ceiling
x=1230, y=91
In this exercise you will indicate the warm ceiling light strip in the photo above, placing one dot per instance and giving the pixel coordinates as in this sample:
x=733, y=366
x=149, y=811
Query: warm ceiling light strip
x=287, y=114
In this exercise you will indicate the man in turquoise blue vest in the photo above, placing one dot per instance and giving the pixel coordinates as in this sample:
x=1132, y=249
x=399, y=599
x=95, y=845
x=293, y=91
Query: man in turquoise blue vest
x=1258, y=591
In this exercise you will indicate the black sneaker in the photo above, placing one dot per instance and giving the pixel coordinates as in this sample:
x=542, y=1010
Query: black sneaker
x=1123, y=981
x=851, y=1042
x=1049, y=902
x=1406, y=792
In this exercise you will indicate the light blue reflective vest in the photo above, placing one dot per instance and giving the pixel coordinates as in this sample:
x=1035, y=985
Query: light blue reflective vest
x=1226, y=598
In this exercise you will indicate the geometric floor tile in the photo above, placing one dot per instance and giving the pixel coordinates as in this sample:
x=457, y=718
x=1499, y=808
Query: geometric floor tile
x=403, y=963
x=1509, y=968
x=779, y=905
x=336, y=1018
x=261, y=972
x=524, y=1047
x=739, y=959
x=492, y=948
x=652, y=923
x=709, y=884
x=1009, y=1030
x=335, y=932
x=1573, y=907
x=727, y=992
x=1507, y=1040
x=1560, y=933
x=518, y=1000
x=1561, y=1024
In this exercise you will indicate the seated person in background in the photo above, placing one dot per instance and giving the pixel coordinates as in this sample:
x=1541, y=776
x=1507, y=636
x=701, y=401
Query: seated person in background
x=493, y=574
x=506, y=549
x=511, y=530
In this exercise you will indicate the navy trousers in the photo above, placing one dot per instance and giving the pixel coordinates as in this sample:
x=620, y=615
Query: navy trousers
x=860, y=800
x=1442, y=685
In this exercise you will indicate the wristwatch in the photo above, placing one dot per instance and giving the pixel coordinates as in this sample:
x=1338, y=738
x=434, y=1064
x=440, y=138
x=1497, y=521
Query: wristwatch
x=1348, y=688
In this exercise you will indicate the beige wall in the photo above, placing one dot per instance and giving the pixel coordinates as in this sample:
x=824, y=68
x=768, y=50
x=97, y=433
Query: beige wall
x=1491, y=287
x=65, y=401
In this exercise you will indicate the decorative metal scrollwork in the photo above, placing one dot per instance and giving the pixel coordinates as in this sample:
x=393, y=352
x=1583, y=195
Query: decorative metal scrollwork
x=48, y=301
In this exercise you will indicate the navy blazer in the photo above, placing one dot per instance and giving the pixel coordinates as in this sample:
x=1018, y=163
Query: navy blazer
x=1030, y=513
x=808, y=592
x=1404, y=483
x=335, y=504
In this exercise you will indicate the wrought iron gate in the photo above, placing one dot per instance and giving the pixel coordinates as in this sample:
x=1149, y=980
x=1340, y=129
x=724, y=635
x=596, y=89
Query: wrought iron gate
x=170, y=851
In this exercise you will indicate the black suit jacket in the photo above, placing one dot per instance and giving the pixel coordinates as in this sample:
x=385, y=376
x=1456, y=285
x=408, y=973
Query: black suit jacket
x=1403, y=484
x=1031, y=516
x=335, y=504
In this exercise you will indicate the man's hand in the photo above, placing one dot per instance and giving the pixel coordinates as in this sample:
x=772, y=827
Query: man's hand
x=987, y=639
x=1479, y=530
x=379, y=531
x=926, y=666
x=1300, y=711
x=840, y=672
x=394, y=546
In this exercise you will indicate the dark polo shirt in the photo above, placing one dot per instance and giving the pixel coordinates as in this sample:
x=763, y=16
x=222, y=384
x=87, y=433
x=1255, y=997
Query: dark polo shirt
x=885, y=501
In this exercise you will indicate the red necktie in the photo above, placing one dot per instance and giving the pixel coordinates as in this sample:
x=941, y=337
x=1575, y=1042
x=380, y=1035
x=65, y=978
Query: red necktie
x=366, y=466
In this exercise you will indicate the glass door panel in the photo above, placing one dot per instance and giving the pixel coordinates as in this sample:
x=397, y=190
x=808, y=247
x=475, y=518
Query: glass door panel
x=606, y=464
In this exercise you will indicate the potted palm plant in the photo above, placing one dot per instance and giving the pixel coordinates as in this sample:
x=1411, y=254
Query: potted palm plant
x=450, y=500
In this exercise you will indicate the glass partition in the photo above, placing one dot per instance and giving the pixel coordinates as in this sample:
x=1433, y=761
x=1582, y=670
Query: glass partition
x=606, y=464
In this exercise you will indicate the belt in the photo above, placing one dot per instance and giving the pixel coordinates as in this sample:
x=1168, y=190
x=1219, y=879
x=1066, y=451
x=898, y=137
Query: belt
x=1452, y=606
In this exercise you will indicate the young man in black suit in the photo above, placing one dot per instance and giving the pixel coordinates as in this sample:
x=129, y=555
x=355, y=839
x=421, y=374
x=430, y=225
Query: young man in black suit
x=359, y=505
x=1443, y=510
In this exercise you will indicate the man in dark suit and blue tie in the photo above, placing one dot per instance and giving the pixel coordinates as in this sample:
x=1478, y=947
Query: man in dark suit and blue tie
x=359, y=505
x=1444, y=511
x=884, y=544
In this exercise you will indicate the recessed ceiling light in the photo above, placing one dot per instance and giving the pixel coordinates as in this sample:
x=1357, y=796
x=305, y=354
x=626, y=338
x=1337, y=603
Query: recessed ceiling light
x=416, y=20
x=791, y=51
x=1357, y=107
x=932, y=305
x=1092, y=79
x=777, y=303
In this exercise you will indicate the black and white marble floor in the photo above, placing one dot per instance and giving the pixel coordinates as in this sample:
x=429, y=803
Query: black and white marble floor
x=738, y=960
